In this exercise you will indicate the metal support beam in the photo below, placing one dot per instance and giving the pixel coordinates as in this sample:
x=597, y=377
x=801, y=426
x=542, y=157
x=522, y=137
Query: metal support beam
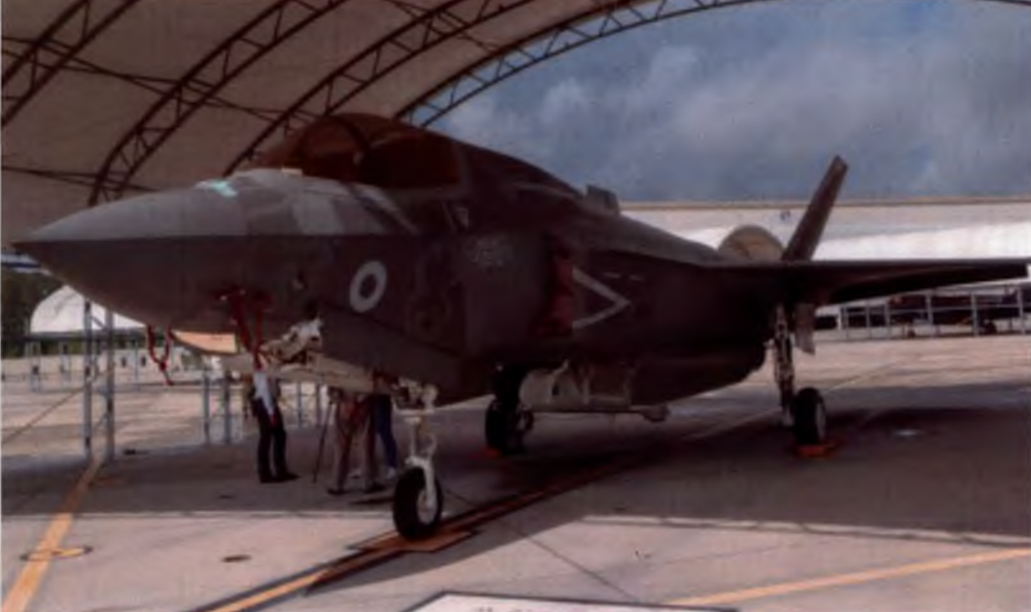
x=225, y=399
x=152, y=84
x=600, y=21
x=976, y=322
x=72, y=177
x=87, y=378
x=75, y=28
x=604, y=20
x=1021, y=309
x=198, y=86
x=109, y=385
x=205, y=423
x=427, y=29
x=136, y=362
x=318, y=403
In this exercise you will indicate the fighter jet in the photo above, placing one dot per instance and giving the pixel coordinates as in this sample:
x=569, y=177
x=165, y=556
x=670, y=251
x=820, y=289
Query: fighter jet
x=364, y=245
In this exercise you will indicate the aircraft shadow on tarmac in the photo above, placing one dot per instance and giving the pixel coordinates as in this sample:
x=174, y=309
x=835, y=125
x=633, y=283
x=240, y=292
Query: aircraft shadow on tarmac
x=953, y=460
x=919, y=472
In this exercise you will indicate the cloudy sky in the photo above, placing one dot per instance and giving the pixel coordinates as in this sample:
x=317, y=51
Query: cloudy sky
x=922, y=97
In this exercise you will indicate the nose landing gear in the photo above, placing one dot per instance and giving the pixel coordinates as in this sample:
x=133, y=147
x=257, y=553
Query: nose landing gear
x=418, y=498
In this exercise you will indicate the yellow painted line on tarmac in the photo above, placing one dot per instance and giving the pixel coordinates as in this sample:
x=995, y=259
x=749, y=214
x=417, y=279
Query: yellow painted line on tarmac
x=303, y=582
x=456, y=529
x=31, y=575
x=390, y=545
x=888, y=573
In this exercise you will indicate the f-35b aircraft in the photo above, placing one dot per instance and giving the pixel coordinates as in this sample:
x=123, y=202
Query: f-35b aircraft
x=363, y=245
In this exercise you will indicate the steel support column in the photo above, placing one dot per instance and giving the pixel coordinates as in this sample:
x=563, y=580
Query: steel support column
x=109, y=385
x=206, y=402
x=976, y=322
x=87, y=378
x=1021, y=309
x=225, y=398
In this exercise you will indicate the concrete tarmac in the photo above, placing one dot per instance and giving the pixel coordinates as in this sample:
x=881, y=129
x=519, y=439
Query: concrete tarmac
x=926, y=504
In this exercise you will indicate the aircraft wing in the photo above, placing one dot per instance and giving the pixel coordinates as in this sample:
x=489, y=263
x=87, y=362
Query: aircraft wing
x=835, y=282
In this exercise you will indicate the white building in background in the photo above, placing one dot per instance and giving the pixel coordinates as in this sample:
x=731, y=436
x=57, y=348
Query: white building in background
x=62, y=314
x=953, y=228
x=871, y=229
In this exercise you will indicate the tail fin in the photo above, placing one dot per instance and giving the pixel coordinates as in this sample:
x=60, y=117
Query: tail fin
x=807, y=234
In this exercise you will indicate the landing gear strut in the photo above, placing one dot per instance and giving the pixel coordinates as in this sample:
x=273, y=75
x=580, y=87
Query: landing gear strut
x=507, y=422
x=418, y=504
x=804, y=412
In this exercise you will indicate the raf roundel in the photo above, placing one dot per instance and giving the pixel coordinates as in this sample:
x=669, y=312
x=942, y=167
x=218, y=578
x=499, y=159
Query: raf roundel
x=368, y=285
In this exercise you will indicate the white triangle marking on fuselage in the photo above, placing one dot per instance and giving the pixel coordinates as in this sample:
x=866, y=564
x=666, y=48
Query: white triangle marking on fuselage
x=618, y=301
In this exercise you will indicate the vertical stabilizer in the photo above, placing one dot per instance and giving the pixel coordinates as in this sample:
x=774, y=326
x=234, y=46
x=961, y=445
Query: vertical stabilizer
x=807, y=235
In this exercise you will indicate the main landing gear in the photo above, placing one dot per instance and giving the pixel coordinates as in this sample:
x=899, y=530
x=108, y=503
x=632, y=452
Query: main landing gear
x=804, y=412
x=507, y=422
x=418, y=504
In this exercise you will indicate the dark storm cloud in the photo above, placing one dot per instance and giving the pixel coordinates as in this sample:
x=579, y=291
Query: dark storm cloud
x=922, y=98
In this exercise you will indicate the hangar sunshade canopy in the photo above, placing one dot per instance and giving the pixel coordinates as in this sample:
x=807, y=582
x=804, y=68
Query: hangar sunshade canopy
x=105, y=98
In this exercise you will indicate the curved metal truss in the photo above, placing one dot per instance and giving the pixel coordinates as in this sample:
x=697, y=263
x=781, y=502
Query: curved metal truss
x=427, y=29
x=58, y=46
x=555, y=40
x=601, y=21
x=59, y=43
x=198, y=86
x=547, y=43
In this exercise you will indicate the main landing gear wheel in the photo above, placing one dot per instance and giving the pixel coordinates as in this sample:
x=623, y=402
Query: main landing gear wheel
x=506, y=428
x=507, y=421
x=809, y=418
x=416, y=516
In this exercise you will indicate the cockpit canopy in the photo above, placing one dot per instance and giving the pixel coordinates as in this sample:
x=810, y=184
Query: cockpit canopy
x=387, y=153
x=362, y=148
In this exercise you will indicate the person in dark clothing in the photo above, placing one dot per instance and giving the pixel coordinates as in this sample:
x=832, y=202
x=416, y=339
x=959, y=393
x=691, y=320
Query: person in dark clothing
x=264, y=405
x=381, y=407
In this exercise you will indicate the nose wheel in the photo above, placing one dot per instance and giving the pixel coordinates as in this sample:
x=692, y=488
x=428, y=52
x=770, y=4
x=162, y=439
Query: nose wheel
x=418, y=498
x=417, y=507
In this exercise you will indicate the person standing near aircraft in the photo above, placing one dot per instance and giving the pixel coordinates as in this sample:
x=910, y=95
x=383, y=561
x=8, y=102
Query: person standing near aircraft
x=262, y=395
x=381, y=407
x=351, y=421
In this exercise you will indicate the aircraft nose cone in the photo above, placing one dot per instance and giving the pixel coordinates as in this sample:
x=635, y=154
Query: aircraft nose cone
x=126, y=255
x=70, y=246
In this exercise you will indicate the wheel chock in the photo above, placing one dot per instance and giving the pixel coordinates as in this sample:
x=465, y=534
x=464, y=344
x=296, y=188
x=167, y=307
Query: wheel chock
x=816, y=451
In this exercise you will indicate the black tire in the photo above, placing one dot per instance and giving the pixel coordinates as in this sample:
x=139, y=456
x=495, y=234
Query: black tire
x=810, y=418
x=412, y=519
x=494, y=427
x=505, y=429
